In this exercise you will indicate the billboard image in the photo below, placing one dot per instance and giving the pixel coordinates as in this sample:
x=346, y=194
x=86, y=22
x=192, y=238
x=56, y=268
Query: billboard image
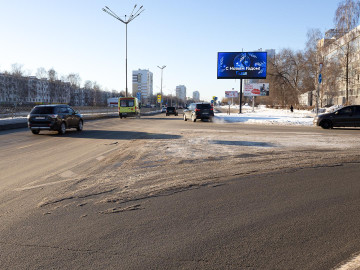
x=256, y=89
x=241, y=65
x=231, y=94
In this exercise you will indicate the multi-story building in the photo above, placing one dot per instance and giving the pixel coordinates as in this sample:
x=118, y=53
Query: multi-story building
x=196, y=96
x=340, y=55
x=181, y=92
x=142, y=81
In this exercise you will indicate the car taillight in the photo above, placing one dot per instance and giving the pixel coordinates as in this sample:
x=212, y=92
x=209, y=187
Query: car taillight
x=197, y=110
x=211, y=109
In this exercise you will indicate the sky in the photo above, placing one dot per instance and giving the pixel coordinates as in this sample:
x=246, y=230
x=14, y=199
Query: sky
x=76, y=36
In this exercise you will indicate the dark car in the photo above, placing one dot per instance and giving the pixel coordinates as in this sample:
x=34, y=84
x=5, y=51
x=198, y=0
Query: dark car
x=348, y=116
x=54, y=117
x=171, y=110
x=199, y=111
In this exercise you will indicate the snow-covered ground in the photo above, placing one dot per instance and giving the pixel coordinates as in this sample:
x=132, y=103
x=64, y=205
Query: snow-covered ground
x=266, y=116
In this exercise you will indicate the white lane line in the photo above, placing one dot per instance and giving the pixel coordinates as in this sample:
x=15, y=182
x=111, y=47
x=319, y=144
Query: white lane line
x=353, y=264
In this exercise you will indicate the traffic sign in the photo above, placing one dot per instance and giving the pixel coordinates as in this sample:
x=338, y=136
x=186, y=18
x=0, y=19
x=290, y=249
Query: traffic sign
x=320, y=78
x=138, y=95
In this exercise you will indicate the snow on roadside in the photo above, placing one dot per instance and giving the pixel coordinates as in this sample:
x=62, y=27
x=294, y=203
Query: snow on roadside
x=267, y=116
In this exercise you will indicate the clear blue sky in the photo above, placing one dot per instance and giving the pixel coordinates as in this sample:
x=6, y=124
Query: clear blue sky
x=76, y=36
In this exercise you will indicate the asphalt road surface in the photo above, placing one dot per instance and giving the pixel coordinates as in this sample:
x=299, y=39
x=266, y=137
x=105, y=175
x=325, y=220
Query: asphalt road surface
x=162, y=193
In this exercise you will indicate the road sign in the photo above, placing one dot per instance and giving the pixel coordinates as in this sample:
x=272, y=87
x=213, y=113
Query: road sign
x=320, y=78
x=159, y=98
x=138, y=95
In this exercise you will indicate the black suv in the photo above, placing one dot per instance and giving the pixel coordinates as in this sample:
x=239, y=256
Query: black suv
x=171, y=110
x=54, y=117
x=348, y=116
x=199, y=111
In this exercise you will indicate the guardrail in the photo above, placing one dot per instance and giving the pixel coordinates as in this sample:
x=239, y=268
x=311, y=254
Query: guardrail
x=23, y=111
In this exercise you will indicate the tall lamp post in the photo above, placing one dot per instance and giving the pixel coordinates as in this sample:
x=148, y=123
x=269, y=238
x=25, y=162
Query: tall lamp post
x=126, y=21
x=162, y=68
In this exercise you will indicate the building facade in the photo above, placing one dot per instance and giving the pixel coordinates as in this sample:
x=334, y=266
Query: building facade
x=340, y=55
x=142, y=81
x=196, y=96
x=19, y=90
x=181, y=92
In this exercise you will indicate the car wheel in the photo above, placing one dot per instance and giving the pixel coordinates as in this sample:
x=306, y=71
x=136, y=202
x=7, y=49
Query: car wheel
x=80, y=126
x=35, y=131
x=176, y=114
x=326, y=124
x=62, y=129
x=120, y=115
x=185, y=119
x=167, y=115
x=211, y=119
x=193, y=118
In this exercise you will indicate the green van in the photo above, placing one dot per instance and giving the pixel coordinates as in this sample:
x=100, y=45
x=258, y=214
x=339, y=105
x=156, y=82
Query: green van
x=128, y=106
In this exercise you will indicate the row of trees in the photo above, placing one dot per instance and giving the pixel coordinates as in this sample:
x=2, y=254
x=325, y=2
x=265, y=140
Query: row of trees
x=291, y=73
x=20, y=86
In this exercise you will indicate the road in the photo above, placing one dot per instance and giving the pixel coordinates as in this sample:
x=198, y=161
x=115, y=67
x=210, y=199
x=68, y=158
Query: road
x=162, y=193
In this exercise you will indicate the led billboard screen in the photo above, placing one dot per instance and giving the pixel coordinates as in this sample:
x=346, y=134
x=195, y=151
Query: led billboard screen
x=241, y=65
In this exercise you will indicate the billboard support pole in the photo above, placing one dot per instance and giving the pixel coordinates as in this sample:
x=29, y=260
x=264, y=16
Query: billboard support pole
x=240, y=99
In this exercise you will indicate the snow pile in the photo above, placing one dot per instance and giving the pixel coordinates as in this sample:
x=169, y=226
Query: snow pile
x=267, y=116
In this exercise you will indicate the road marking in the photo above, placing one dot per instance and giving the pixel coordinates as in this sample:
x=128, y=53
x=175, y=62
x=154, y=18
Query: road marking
x=353, y=264
x=100, y=158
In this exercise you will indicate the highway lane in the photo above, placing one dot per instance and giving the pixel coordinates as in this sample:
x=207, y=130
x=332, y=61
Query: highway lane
x=157, y=228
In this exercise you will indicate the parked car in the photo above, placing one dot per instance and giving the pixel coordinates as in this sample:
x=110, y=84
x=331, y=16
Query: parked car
x=348, y=116
x=163, y=109
x=199, y=111
x=171, y=110
x=54, y=117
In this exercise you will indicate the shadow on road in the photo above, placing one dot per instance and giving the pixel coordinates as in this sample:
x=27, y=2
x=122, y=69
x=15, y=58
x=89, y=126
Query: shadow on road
x=244, y=143
x=114, y=135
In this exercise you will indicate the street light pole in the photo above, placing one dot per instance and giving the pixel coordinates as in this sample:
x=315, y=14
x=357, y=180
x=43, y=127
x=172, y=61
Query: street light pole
x=132, y=16
x=162, y=68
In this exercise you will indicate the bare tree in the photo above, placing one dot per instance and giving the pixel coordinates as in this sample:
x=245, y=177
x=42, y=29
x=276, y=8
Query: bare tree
x=347, y=16
x=52, y=75
x=285, y=74
x=17, y=70
x=41, y=73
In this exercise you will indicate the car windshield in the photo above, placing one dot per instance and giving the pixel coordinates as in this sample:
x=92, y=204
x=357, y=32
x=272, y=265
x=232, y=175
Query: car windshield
x=43, y=110
x=171, y=108
x=127, y=103
x=203, y=106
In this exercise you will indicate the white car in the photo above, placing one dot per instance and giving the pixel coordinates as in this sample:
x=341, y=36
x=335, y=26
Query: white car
x=163, y=109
